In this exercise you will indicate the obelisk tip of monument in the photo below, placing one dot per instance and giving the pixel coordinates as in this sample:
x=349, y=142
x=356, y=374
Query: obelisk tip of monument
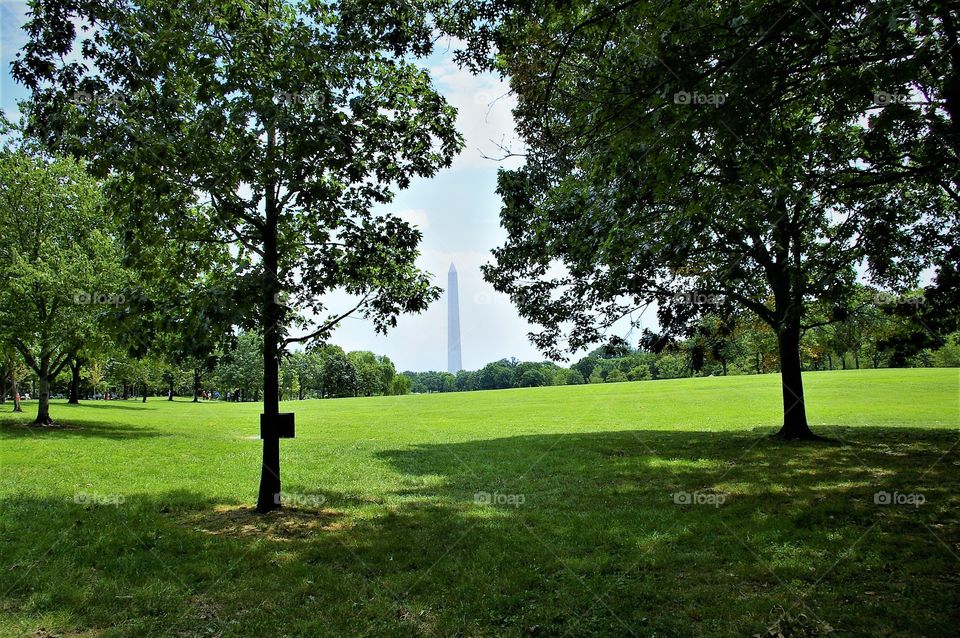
x=452, y=268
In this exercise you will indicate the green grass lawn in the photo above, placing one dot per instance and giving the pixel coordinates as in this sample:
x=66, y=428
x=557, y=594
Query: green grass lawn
x=135, y=520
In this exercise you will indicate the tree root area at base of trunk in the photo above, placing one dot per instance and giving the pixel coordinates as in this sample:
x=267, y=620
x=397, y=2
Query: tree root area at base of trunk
x=804, y=437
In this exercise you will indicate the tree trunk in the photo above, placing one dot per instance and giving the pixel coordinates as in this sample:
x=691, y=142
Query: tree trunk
x=791, y=382
x=830, y=361
x=196, y=385
x=43, y=403
x=144, y=392
x=170, y=395
x=126, y=390
x=856, y=359
x=75, y=382
x=15, y=390
x=269, y=495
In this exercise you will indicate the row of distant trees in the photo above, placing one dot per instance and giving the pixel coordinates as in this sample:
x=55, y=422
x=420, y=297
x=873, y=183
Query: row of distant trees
x=880, y=332
x=323, y=372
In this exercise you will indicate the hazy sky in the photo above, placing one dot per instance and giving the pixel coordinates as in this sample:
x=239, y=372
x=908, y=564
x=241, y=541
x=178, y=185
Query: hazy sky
x=457, y=211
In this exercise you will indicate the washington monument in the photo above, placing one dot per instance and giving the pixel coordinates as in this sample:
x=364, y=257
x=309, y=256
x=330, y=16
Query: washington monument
x=454, y=364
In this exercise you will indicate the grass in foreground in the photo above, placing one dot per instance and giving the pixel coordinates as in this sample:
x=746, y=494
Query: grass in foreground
x=135, y=520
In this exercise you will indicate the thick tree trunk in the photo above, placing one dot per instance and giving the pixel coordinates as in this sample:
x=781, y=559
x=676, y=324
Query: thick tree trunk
x=43, y=402
x=269, y=495
x=791, y=382
x=75, y=382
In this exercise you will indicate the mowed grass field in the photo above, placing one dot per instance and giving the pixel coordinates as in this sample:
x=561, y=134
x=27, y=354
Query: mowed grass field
x=657, y=508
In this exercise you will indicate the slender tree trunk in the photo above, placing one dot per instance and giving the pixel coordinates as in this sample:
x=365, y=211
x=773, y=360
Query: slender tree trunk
x=170, y=396
x=791, y=381
x=15, y=390
x=75, y=381
x=144, y=392
x=843, y=360
x=125, y=390
x=830, y=361
x=43, y=403
x=3, y=386
x=856, y=359
x=196, y=385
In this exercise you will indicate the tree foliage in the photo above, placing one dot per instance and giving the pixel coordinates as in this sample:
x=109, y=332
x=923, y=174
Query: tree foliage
x=733, y=156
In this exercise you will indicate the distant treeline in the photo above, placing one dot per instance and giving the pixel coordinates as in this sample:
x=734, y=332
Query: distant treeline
x=872, y=338
x=878, y=331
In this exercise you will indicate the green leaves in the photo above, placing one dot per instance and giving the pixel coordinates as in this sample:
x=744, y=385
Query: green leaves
x=722, y=149
x=310, y=112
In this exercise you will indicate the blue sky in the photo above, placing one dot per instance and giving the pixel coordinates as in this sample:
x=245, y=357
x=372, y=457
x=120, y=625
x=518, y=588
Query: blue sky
x=457, y=211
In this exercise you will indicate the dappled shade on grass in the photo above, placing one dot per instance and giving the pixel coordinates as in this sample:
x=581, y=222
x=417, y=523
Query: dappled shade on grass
x=598, y=545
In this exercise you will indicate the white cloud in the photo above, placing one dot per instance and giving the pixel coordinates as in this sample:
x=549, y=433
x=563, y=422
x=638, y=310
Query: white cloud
x=415, y=216
x=484, y=106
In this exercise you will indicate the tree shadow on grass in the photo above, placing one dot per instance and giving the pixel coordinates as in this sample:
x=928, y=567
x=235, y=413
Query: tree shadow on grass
x=118, y=404
x=77, y=428
x=599, y=534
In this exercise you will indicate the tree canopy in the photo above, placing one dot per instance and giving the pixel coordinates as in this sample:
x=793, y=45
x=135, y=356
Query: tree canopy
x=273, y=126
x=720, y=157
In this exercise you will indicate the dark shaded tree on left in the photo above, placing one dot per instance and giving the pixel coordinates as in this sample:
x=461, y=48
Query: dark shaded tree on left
x=287, y=122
